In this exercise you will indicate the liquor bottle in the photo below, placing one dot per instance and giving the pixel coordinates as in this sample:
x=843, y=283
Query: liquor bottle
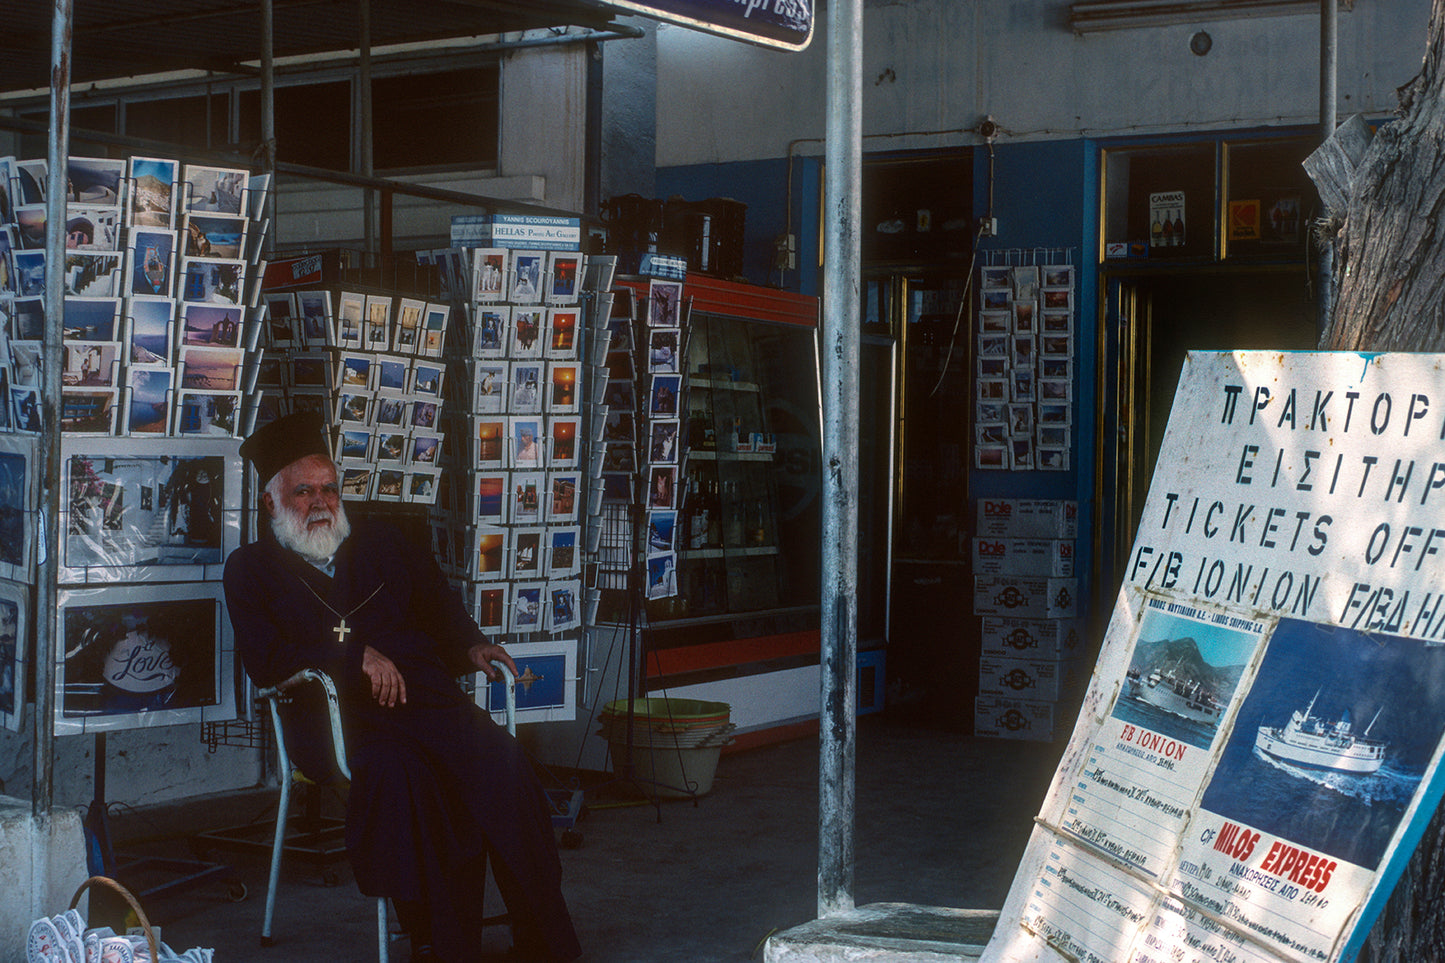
x=758, y=525
x=734, y=530
x=1178, y=229
x=1156, y=232
x=1167, y=240
x=714, y=516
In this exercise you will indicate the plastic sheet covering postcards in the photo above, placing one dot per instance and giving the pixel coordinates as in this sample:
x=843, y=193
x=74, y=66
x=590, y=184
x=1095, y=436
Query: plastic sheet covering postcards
x=19, y=496
x=136, y=656
x=148, y=509
x=1259, y=748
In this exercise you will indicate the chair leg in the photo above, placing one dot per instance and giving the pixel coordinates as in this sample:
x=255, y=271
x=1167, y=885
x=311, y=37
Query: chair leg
x=278, y=845
x=383, y=932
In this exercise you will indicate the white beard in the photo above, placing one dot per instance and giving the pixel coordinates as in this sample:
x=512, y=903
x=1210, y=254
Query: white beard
x=315, y=544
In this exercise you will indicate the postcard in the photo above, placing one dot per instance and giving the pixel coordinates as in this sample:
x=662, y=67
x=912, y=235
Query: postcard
x=152, y=192
x=427, y=378
x=527, y=275
x=215, y=190
x=90, y=364
x=525, y=442
x=377, y=333
x=489, y=273
x=562, y=496
x=490, y=556
x=211, y=368
x=526, y=393
x=89, y=411
x=313, y=308
x=357, y=480
x=527, y=332
x=493, y=497
x=434, y=330
x=213, y=280
x=563, y=441
x=93, y=275
x=214, y=235
x=490, y=331
x=489, y=607
x=562, y=333
x=490, y=449
x=92, y=319
x=207, y=412
x=151, y=259
x=29, y=273
x=407, y=335
x=93, y=228
x=664, y=300
x=563, y=271
x=420, y=485
x=14, y=653
x=212, y=325
x=350, y=316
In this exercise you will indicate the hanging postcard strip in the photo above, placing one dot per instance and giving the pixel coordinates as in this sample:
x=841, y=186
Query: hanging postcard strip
x=318, y=324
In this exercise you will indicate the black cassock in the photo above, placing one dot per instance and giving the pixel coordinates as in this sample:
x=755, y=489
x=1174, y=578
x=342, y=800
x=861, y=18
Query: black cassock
x=436, y=784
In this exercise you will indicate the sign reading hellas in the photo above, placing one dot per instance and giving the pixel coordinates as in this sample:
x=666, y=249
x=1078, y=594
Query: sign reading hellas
x=530, y=231
x=1258, y=751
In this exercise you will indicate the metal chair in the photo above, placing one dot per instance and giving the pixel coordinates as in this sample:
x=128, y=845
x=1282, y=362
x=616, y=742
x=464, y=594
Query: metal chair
x=282, y=695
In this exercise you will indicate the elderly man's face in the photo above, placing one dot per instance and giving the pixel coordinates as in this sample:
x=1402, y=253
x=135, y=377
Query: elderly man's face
x=305, y=505
x=308, y=492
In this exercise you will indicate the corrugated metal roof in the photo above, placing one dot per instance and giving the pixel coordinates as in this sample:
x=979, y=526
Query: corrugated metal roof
x=122, y=38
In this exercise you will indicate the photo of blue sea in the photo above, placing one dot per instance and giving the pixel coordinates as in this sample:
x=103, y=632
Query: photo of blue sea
x=150, y=331
x=149, y=400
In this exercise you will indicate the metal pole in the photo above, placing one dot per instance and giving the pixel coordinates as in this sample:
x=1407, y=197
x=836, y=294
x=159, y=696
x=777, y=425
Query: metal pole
x=1329, y=96
x=268, y=112
x=363, y=80
x=57, y=154
x=843, y=157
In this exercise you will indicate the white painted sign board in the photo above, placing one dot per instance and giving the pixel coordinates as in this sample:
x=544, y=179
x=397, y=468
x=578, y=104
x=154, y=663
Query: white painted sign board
x=1258, y=751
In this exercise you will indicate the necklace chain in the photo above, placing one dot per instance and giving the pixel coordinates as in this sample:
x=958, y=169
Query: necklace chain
x=342, y=628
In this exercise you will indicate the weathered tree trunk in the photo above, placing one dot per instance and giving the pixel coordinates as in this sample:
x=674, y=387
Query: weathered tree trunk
x=1390, y=296
x=1390, y=250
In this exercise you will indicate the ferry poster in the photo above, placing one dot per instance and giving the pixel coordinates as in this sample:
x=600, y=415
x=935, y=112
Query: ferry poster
x=1259, y=749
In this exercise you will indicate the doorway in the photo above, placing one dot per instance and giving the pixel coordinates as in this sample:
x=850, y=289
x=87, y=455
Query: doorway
x=1150, y=321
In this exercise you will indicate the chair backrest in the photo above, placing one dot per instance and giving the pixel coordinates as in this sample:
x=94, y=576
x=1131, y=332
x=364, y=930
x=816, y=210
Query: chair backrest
x=306, y=721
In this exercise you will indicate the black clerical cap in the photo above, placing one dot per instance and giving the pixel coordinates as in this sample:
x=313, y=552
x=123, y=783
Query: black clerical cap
x=278, y=443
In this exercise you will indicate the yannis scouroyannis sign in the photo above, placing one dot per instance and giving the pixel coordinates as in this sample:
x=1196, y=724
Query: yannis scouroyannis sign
x=1259, y=748
x=784, y=24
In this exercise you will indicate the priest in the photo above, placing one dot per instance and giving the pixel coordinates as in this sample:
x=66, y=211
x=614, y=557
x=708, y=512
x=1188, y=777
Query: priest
x=437, y=786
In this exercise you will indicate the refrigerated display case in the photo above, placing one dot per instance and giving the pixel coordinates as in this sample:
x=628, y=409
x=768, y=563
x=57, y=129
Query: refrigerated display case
x=743, y=628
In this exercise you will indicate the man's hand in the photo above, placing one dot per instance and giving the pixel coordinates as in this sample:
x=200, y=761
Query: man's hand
x=388, y=688
x=482, y=655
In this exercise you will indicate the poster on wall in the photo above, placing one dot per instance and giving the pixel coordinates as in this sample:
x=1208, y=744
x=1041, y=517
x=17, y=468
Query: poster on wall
x=135, y=656
x=1259, y=749
x=152, y=509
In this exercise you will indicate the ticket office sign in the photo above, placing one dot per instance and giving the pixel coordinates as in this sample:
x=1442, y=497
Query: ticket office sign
x=1259, y=749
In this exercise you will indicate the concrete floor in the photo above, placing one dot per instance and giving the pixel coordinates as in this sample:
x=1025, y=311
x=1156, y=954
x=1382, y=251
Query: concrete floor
x=941, y=820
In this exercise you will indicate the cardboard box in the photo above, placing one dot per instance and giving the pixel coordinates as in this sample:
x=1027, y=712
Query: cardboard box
x=1025, y=597
x=1005, y=718
x=1050, y=640
x=1027, y=518
x=1023, y=556
x=1033, y=679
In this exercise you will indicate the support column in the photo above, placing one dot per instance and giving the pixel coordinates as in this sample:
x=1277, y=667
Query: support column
x=57, y=153
x=1329, y=99
x=842, y=208
x=363, y=80
x=268, y=113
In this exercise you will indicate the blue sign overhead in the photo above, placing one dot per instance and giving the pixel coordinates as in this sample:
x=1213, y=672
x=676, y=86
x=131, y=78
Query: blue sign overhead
x=784, y=24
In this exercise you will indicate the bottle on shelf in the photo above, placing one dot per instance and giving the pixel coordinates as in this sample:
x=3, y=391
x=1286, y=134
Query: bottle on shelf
x=1178, y=229
x=758, y=524
x=714, y=517
x=734, y=529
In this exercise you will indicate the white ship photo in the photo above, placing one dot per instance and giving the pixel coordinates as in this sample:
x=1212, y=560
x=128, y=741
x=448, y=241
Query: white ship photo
x=1174, y=690
x=1308, y=740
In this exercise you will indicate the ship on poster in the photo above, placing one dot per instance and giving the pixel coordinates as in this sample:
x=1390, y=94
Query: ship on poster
x=1134, y=795
x=1329, y=749
x=1294, y=501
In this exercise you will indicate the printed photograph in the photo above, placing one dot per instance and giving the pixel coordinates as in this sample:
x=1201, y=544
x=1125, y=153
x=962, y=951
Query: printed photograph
x=151, y=255
x=206, y=324
x=1332, y=742
x=209, y=235
x=14, y=624
x=152, y=192
x=207, y=412
x=156, y=657
x=526, y=277
x=215, y=190
x=93, y=411
x=212, y=281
